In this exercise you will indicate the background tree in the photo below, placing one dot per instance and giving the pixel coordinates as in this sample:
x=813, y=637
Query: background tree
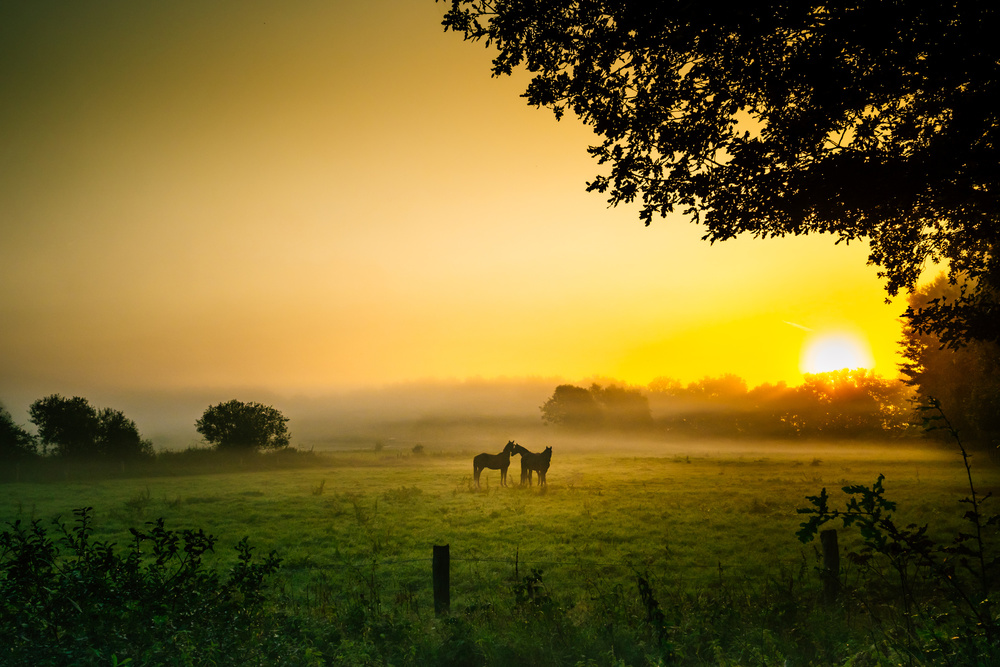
x=74, y=429
x=611, y=406
x=16, y=444
x=66, y=426
x=118, y=437
x=966, y=381
x=727, y=387
x=868, y=120
x=239, y=425
x=623, y=407
x=571, y=406
x=842, y=404
x=851, y=403
x=665, y=386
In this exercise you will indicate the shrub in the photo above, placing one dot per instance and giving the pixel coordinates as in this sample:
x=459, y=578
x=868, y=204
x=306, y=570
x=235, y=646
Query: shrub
x=77, y=601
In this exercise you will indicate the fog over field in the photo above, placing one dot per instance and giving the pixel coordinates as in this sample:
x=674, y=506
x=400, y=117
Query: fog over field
x=455, y=417
x=396, y=415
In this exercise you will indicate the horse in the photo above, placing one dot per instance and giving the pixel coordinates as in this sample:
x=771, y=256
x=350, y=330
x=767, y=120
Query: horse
x=539, y=462
x=499, y=462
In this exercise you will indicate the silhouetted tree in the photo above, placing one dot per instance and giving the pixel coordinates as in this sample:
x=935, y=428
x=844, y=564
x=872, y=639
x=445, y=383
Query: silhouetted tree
x=571, y=406
x=623, y=407
x=72, y=428
x=239, y=425
x=851, y=403
x=118, y=437
x=725, y=387
x=66, y=426
x=866, y=120
x=16, y=444
x=966, y=381
x=665, y=386
x=840, y=404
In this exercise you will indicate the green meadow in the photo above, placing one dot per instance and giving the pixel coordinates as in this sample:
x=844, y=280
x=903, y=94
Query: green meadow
x=356, y=529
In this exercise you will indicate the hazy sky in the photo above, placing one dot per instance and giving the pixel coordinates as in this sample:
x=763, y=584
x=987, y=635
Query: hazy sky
x=313, y=194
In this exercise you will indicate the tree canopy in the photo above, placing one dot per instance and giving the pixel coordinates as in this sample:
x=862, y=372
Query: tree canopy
x=15, y=443
x=871, y=121
x=239, y=425
x=842, y=404
x=965, y=381
x=72, y=428
x=572, y=406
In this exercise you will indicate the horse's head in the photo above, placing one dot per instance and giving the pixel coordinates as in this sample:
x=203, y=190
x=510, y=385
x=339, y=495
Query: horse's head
x=511, y=447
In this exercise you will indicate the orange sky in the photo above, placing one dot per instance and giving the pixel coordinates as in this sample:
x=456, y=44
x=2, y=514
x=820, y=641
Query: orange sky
x=323, y=194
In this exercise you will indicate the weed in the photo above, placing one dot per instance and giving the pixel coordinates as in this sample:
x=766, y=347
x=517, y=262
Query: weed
x=139, y=502
x=943, y=589
x=531, y=590
x=402, y=495
x=134, y=508
x=758, y=506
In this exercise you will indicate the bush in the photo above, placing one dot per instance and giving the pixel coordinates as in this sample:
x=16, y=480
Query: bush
x=77, y=601
x=932, y=601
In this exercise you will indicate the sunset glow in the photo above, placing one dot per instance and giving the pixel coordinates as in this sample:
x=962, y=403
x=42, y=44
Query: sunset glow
x=337, y=195
x=835, y=351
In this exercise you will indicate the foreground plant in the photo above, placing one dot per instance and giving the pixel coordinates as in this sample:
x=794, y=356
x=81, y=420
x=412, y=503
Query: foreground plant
x=74, y=600
x=945, y=588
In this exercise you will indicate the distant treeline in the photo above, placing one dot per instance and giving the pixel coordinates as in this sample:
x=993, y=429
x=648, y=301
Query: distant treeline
x=843, y=404
x=71, y=429
x=964, y=380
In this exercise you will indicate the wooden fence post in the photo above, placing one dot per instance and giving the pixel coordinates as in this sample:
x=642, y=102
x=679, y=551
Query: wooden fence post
x=831, y=565
x=442, y=579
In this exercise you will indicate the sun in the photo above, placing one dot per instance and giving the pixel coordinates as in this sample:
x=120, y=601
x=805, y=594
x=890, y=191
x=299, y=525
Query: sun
x=833, y=351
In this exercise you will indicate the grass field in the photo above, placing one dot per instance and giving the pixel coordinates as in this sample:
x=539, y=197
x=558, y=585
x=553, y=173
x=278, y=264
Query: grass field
x=690, y=517
x=678, y=515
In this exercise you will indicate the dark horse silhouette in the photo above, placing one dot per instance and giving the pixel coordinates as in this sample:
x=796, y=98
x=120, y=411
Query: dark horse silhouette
x=499, y=462
x=539, y=462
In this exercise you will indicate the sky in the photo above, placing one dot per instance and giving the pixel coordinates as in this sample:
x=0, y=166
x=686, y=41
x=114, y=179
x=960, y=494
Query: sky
x=310, y=195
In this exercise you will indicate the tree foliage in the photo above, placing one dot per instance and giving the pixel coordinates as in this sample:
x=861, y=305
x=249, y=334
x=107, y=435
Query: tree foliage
x=571, y=406
x=622, y=407
x=239, y=425
x=67, y=426
x=71, y=428
x=965, y=381
x=841, y=404
x=851, y=402
x=16, y=444
x=610, y=406
x=870, y=121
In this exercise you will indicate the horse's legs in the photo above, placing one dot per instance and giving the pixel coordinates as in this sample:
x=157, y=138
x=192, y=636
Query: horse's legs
x=475, y=474
x=503, y=476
